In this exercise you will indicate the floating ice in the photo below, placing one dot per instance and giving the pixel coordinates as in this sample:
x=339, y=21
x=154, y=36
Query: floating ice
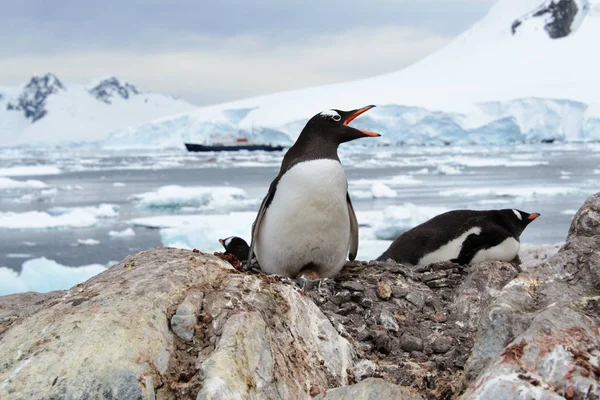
x=447, y=170
x=122, y=234
x=88, y=242
x=8, y=183
x=597, y=171
x=43, y=275
x=41, y=196
x=18, y=255
x=393, y=180
x=30, y=170
x=382, y=191
x=197, y=197
x=200, y=231
x=394, y=220
x=58, y=217
x=118, y=184
x=569, y=212
x=515, y=192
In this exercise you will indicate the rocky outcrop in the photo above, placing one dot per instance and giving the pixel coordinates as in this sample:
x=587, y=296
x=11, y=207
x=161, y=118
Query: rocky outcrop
x=169, y=323
x=111, y=87
x=559, y=16
x=32, y=100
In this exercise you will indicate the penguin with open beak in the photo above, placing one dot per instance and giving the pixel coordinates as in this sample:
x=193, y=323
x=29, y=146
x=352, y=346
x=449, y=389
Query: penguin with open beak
x=306, y=224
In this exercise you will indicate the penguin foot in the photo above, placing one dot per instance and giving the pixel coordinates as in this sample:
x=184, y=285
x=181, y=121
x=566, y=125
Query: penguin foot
x=308, y=273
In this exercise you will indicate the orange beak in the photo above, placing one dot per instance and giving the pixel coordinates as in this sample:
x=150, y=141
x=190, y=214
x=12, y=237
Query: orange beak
x=356, y=114
x=534, y=216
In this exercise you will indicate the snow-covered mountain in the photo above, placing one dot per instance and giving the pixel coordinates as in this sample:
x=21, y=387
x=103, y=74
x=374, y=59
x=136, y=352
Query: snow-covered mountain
x=527, y=71
x=49, y=111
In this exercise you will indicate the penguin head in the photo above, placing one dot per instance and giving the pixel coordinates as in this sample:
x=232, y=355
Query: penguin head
x=333, y=125
x=237, y=246
x=519, y=219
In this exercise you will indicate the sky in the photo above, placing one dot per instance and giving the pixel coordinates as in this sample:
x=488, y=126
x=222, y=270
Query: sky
x=209, y=52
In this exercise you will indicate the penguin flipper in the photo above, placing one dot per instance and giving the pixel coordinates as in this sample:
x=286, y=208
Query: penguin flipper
x=353, y=250
x=475, y=242
x=261, y=213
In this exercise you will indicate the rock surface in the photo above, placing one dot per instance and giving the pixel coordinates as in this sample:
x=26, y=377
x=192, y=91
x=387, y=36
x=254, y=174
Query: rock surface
x=176, y=324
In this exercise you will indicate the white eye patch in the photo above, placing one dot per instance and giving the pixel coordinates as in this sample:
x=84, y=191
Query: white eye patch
x=331, y=114
x=518, y=214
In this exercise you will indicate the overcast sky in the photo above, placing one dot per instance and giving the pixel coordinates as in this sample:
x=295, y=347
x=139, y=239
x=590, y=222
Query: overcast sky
x=213, y=51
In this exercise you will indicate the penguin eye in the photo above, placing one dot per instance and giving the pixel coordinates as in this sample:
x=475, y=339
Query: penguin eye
x=337, y=117
x=331, y=114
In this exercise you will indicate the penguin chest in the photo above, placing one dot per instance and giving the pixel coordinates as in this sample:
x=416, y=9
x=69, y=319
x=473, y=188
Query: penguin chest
x=506, y=250
x=307, y=220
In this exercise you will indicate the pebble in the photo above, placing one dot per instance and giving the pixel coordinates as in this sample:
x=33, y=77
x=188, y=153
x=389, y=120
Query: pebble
x=411, y=343
x=384, y=291
x=354, y=286
x=441, y=345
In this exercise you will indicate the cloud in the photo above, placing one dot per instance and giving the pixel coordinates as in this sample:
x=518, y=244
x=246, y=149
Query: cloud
x=226, y=68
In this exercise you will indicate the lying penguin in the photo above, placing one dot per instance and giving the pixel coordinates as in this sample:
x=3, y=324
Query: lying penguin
x=237, y=246
x=463, y=237
x=306, y=223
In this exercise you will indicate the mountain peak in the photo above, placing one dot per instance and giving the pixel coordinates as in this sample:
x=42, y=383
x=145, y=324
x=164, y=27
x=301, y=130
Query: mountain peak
x=111, y=87
x=32, y=100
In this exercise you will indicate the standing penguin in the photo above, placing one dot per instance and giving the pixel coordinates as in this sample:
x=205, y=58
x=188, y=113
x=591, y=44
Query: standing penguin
x=306, y=223
x=462, y=236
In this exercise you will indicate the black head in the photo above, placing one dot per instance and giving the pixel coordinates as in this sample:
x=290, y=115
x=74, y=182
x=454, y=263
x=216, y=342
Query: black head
x=332, y=125
x=518, y=219
x=237, y=246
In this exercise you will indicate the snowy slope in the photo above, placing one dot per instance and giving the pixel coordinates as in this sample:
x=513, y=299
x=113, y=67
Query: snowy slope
x=525, y=72
x=47, y=110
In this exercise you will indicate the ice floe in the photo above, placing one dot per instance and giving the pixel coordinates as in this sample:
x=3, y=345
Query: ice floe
x=515, y=192
x=122, y=234
x=44, y=275
x=8, y=183
x=175, y=197
x=199, y=231
x=30, y=170
x=58, y=217
x=88, y=242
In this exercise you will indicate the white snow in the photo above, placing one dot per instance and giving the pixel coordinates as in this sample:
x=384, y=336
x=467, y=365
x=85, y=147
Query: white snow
x=174, y=197
x=487, y=86
x=30, y=170
x=58, y=217
x=8, y=183
x=88, y=242
x=74, y=115
x=126, y=233
x=43, y=275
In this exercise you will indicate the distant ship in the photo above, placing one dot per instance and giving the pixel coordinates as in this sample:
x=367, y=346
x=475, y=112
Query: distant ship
x=240, y=143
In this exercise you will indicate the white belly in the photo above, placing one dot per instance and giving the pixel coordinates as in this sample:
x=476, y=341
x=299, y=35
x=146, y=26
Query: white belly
x=450, y=250
x=307, y=221
x=505, y=251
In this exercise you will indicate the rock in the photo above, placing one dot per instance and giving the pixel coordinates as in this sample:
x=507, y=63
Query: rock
x=543, y=325
x=188, y=325
x=110, y=337
x=370, y=389
x=441, y=345
x=411, y=343
x=183, y=322
x=384, y=291
x=354, y=286
x=387, y=320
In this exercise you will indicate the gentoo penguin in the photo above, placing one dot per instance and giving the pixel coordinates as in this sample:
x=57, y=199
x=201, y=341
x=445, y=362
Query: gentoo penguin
x=237, y=246
x=306, y=224
x=462, y=236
